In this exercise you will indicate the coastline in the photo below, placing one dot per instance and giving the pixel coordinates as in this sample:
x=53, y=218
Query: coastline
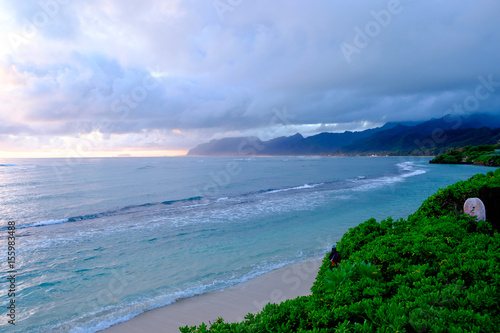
x=232, y=303
x=257, y=155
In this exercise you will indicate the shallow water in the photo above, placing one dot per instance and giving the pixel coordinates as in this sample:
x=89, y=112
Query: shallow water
x=102, y=240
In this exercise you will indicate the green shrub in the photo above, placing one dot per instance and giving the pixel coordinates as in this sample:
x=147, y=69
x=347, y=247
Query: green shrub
x=436, y=271
x=447, y=159
x=483, y=155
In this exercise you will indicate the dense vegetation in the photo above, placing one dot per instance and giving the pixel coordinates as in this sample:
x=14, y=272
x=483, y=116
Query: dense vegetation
x=412, y=143
x=437, y=271
x=482, y=155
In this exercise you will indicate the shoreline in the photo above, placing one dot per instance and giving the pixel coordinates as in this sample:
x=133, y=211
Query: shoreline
x=209, y=156
x=232, y=303
x=252, y=156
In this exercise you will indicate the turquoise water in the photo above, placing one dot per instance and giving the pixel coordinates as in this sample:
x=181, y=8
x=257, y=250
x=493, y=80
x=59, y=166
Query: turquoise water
x=102, y=240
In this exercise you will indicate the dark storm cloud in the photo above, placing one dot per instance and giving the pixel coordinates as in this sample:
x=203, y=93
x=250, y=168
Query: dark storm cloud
x=209, y=68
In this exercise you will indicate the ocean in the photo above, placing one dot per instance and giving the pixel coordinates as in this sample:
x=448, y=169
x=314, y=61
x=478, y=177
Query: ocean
x=99, y=241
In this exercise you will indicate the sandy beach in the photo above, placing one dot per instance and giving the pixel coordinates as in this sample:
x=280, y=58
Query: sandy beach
x=232, y=304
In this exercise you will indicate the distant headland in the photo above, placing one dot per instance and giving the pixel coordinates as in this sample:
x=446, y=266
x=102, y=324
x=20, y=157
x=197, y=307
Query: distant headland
x=428, y=138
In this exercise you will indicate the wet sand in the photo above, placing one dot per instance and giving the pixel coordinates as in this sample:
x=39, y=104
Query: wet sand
x=232, y=304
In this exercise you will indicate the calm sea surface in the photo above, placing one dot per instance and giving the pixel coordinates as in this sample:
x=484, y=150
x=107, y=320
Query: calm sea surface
x=99, y=241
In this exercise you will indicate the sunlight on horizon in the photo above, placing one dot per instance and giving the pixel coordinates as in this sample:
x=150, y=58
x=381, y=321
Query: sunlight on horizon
x=118, y=153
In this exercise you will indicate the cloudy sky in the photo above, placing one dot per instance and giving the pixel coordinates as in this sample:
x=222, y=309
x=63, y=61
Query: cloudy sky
x=157, y=77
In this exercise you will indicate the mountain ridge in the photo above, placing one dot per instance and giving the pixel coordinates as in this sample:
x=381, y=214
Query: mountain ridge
x=431, y=137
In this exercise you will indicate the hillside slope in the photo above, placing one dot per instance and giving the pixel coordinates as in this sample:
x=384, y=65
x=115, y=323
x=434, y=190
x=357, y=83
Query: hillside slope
x=487, y=155
x=427, y=138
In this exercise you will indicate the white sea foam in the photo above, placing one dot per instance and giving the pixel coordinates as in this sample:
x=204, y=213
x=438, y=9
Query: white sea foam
x=42, y=223
x=408, y=168
x=414, y=173
x=411, y=169
x=195, y=205
x=303, y=187
x=182, y=232
x=111, y=315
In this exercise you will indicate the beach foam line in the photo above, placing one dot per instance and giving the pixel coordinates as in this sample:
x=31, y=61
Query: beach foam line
x=232, y=303
x=406, y=166
x=414, y=173
x=40, y=224
x=104, y=214
x=50, y=222
x=367, y=184
x=303, y=187
x=410, y=167
x=101, y=319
